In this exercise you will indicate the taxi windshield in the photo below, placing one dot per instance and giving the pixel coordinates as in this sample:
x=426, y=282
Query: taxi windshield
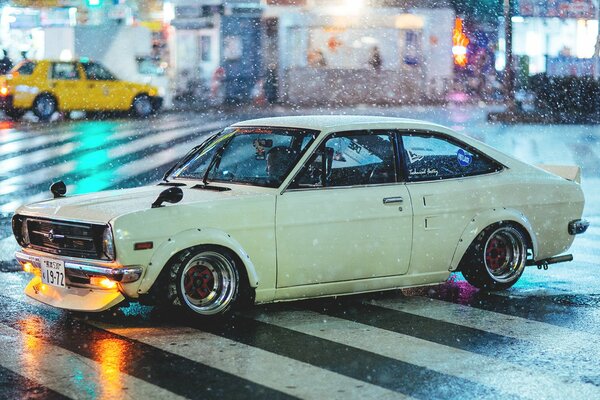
x=254, y=155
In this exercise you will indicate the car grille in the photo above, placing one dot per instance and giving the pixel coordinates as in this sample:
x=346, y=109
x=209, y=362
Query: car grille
x=71, y=239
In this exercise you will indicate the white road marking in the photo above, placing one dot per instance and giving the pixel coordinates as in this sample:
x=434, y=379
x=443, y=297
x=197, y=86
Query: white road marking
x=491, y=372
x=259, y=366
x=71, y=374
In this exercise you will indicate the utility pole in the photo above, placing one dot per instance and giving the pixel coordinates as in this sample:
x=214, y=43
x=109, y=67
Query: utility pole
x=509, y=73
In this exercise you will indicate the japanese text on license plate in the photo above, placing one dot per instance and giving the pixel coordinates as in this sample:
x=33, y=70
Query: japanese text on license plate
x=53, y=272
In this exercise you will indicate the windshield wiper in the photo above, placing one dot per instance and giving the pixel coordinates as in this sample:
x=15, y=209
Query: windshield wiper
x=216, y=158
x=189, y=156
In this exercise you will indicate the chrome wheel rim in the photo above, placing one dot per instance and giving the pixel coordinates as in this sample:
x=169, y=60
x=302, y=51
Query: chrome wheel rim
x=208, y=283
x=142, y=106
x=505, y=254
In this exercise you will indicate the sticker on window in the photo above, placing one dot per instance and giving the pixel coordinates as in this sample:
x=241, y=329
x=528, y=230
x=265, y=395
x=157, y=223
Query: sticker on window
x=464, y=158
x=414, y=157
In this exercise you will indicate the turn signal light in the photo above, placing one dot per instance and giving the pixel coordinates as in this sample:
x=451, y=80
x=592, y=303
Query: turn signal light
x=3, y=91
x=143, y=245
x=103, y=282
x=28, y=267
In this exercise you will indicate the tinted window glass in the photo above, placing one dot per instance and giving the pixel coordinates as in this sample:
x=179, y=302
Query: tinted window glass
x=64, y=71
x=260, y=156
x=26, y=68
x=348, y=160
x=431, y=158
x=97, y=72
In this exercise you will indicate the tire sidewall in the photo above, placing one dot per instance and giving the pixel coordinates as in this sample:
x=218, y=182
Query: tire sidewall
x=38, y=113
x=476, y=272
x=134, y=106
x=176, y=275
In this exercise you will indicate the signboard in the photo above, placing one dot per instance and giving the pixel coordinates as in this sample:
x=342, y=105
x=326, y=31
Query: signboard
x=584, y=9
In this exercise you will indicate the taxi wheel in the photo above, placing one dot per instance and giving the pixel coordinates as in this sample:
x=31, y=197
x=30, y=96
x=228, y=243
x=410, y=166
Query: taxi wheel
x=496, y=259
x=207, y=281
x=44, y=106
x=142, y=106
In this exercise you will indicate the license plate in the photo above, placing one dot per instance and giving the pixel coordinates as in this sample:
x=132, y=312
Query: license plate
x=53, y=272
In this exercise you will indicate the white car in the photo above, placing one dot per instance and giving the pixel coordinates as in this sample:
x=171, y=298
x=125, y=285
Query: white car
x=296, y=207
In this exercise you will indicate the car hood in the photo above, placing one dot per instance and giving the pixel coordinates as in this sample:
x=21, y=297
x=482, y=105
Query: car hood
x=102, y=207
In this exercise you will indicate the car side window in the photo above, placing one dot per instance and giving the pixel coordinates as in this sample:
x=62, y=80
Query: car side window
x=25, y=68
x=96, y=72
x=428, y=157
x=64, y=71
x=350, y=159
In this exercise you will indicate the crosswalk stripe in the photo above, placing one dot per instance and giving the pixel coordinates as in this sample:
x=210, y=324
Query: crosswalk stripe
x=168, y=371
x=109, y=178
x=353, y=362
x=68, y=149
x=16, y=386
x=542, y=334
x=106, y=179
x=39, y=176
x=490, y=321
x=277, y=372
x=54, y=368
x=516, y=380
x=79, y=132
x=509, y=349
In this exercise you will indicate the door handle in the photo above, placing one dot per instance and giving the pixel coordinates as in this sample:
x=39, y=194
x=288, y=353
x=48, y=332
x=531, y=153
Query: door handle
x=391, y=200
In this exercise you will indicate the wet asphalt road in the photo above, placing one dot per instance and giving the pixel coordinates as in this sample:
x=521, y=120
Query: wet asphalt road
x=541, y=339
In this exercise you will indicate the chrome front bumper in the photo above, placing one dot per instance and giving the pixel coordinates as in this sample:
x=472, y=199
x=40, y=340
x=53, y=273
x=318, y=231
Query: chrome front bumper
x=84, y=268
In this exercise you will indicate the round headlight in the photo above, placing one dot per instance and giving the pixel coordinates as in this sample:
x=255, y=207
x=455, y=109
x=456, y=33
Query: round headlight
x=108, y=245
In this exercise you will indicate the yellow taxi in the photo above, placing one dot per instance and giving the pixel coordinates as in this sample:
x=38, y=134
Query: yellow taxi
x=45, y=86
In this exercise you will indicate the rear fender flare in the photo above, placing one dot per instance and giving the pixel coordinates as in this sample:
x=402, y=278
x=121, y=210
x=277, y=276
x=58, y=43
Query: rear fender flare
x=484, y=219
x=190, y=238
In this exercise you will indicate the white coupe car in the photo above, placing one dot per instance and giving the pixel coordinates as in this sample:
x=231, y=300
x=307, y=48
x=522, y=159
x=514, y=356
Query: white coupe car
x=296, y=207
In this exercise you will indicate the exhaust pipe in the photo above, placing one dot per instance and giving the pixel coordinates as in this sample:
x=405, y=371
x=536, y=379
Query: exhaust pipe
x=552, y=260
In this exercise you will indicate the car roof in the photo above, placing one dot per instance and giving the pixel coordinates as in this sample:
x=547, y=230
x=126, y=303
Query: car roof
x=327, y=122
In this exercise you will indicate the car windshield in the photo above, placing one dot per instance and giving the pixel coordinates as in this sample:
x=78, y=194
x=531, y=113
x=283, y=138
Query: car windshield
x=255, y=155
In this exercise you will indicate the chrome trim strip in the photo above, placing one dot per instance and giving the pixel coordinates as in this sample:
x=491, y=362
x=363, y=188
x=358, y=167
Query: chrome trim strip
x=113, y=271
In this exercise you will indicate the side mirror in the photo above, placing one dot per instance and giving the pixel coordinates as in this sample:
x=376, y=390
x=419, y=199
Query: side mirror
x=171, y=195
x=58, y=189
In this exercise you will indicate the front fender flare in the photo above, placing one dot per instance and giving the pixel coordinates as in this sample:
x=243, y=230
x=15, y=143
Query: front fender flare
x=484, y=219
x=190, y=238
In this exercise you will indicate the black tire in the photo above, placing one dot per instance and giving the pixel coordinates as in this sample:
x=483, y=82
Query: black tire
x=141, y=106
x=14, y=113
x=207, y=281
x=44, y=106
x=497, y=257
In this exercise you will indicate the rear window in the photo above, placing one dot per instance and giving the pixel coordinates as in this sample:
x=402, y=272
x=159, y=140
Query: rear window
x=25, y=68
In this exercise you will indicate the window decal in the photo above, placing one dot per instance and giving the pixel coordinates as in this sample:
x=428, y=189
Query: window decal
x=464, y=158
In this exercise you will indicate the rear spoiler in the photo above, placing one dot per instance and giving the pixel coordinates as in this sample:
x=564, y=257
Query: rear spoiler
x=569, y=172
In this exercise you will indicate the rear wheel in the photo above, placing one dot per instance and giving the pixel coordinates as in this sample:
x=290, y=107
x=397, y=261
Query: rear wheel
x=142, y=106
x=496, y=259
x=44, y=107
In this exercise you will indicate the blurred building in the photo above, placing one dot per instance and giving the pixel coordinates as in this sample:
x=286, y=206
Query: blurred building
x=352, y=51
x=215, y=48
x=557, y=37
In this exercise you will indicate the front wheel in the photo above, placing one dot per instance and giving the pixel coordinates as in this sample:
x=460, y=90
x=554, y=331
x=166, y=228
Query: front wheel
x=496, y=259
x=142, y=106
x=206, y=280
